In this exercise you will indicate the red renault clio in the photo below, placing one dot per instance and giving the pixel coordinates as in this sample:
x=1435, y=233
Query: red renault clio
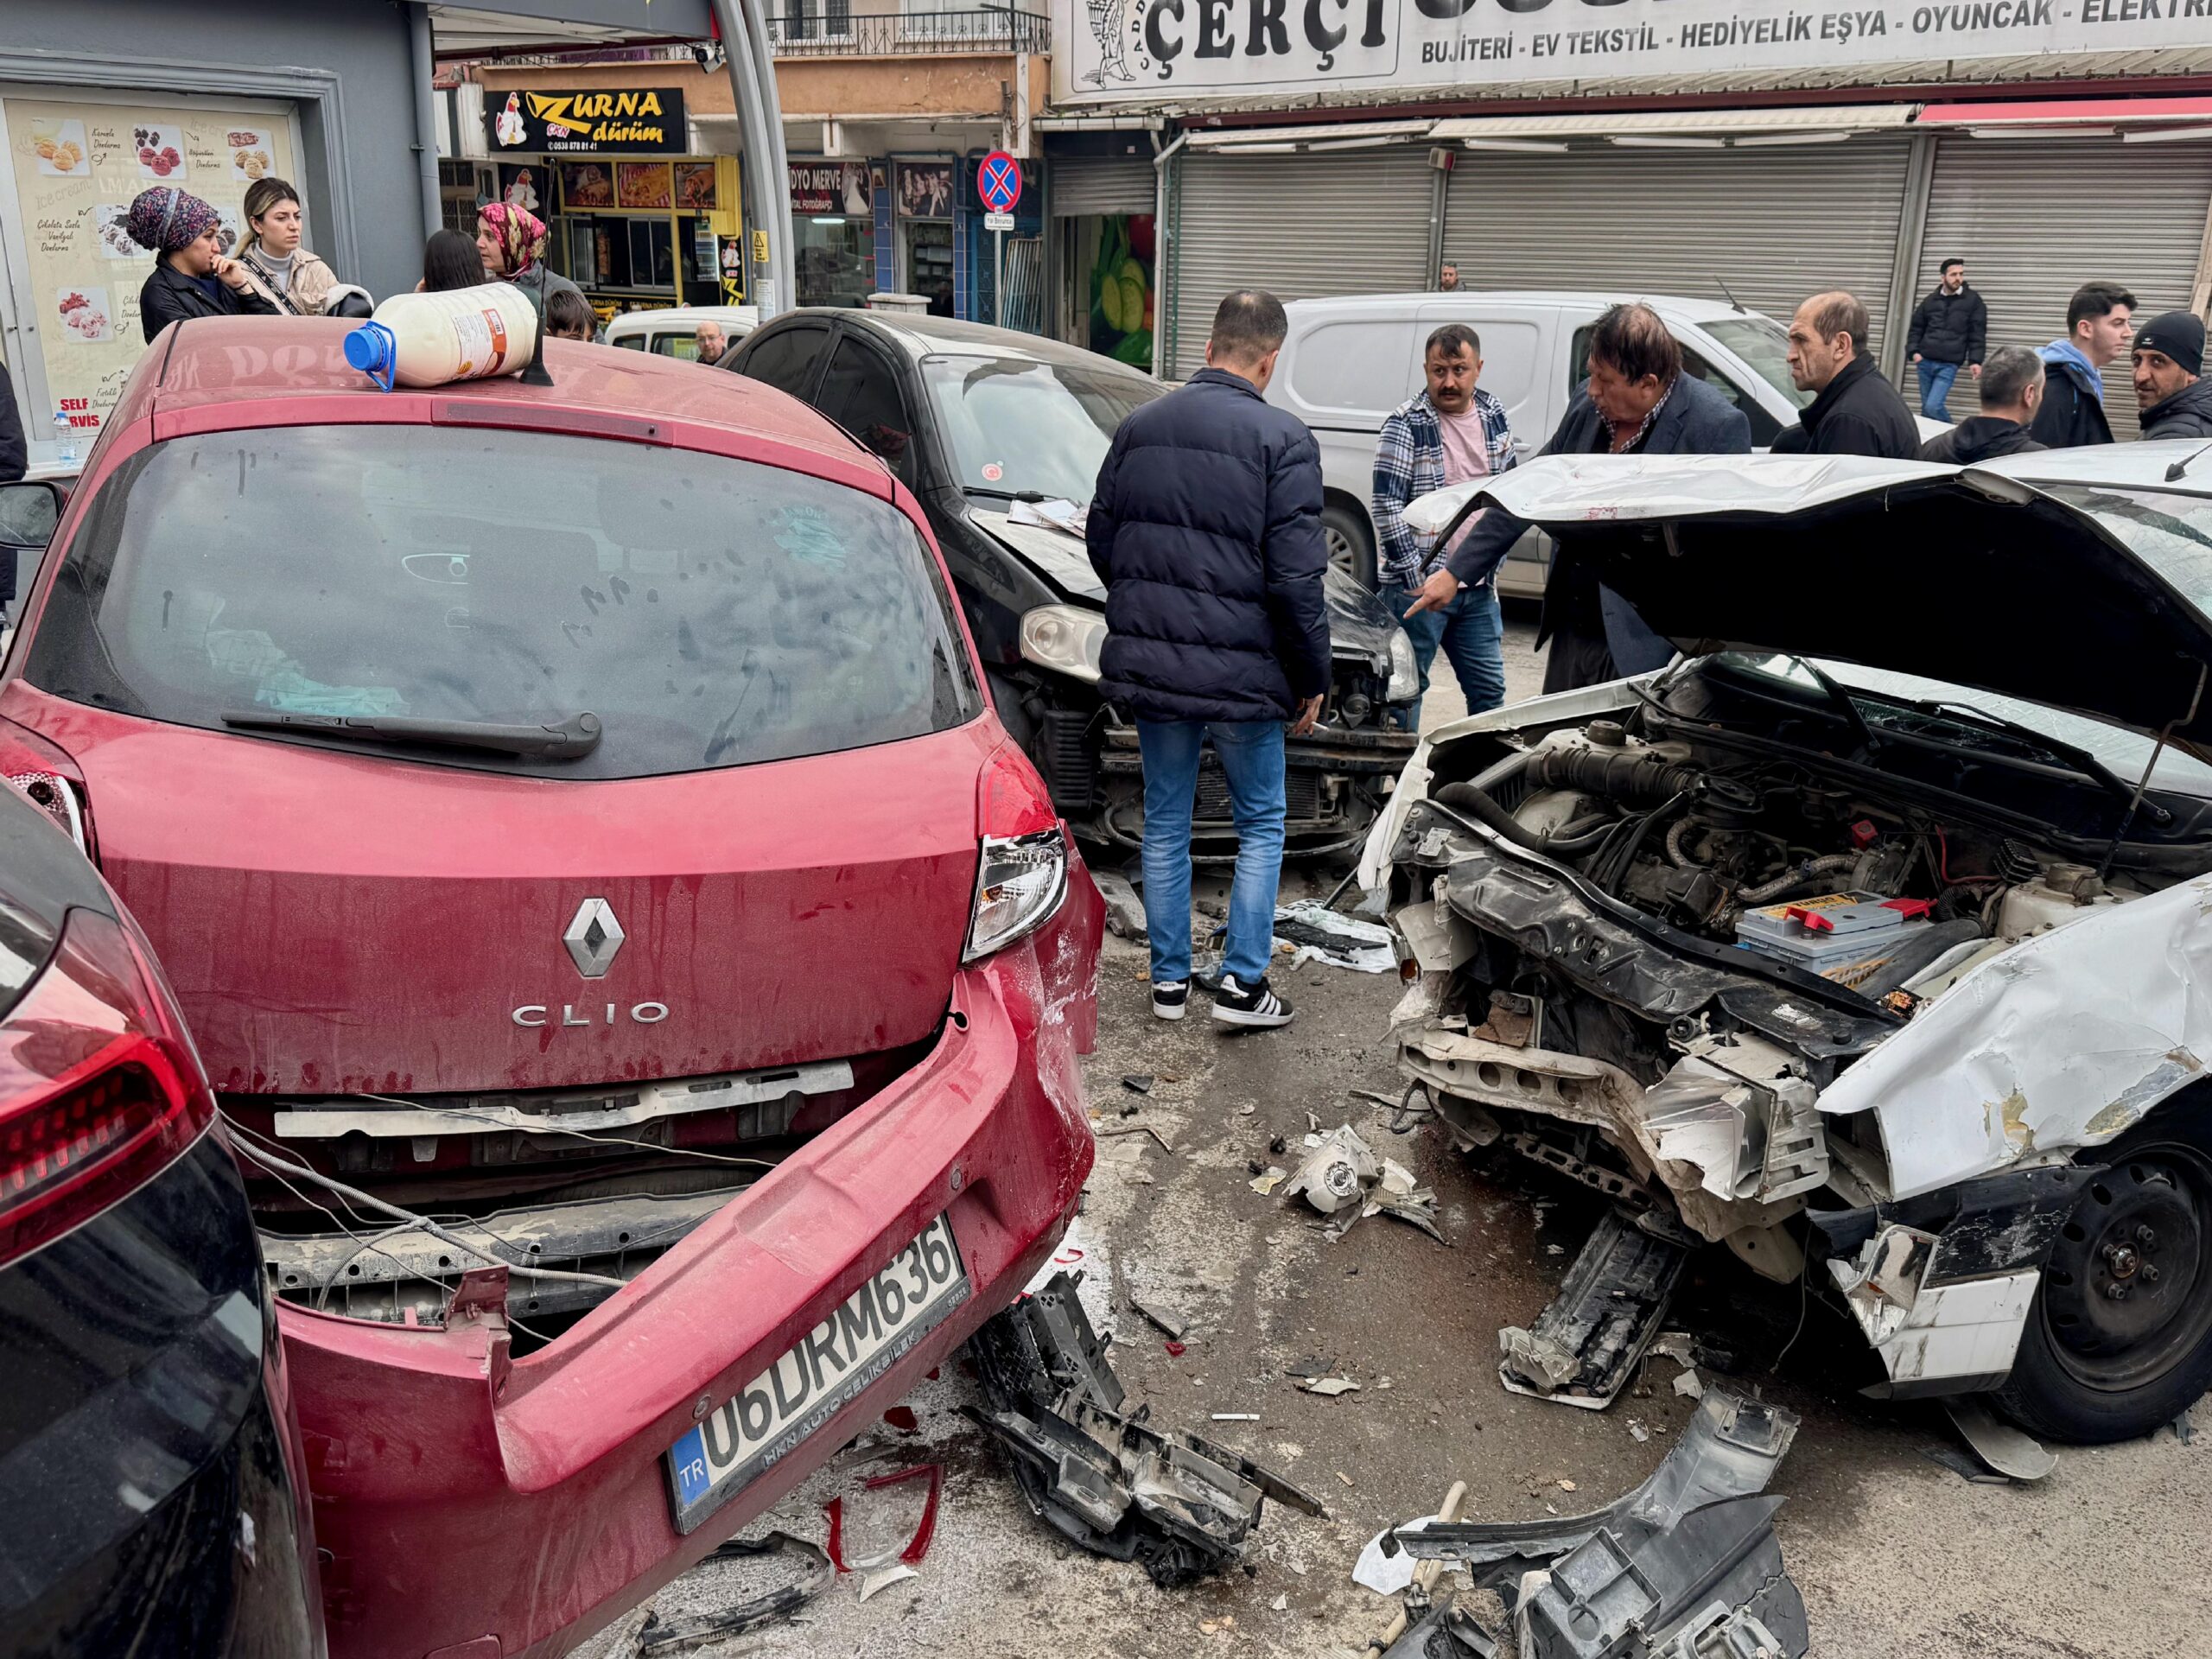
x=643, y=981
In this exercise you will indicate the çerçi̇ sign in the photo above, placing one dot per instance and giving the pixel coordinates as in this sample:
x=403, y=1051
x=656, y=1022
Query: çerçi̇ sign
x=643, y=120
x=1161, y=53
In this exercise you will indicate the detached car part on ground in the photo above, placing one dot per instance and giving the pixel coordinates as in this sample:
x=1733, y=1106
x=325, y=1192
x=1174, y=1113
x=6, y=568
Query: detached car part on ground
x=1000, y=435
x=1685, y=1567
x=1864, y=939
x=642, y=983
x=1092, y=1467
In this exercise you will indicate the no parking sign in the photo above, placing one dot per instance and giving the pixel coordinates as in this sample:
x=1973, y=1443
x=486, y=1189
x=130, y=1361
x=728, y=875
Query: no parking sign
x=998, y=181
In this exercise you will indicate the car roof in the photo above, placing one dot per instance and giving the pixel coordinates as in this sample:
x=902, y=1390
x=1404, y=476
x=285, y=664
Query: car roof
x=922, y=336
x=1675, y=306
x=629, y=321
x=206, y=362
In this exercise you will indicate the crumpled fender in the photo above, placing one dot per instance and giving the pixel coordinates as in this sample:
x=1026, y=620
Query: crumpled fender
x=2067, y=1040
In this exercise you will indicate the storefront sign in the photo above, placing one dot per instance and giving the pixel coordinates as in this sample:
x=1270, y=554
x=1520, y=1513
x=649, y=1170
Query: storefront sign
x=76, y=167
x=1168, y=53
x=925, y=189
x=635, y=121
x=825, y=187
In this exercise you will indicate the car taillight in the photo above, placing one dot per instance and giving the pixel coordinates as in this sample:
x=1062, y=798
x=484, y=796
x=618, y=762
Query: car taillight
x=99, y=1087
x=1023, y=873
x=46, y=777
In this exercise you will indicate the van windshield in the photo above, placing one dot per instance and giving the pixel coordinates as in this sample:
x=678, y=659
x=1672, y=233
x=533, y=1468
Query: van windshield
x=711, y=611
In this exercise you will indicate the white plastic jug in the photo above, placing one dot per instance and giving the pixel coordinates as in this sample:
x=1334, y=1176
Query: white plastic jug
x=431, y=339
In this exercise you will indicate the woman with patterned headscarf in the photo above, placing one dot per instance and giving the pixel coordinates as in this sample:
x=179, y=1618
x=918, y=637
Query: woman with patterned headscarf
x=191, y=276
x=512, y=242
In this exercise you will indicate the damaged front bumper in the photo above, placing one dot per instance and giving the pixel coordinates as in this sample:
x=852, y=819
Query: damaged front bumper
x=1335, y=782
x=1728, y=1145
x=470, y=1500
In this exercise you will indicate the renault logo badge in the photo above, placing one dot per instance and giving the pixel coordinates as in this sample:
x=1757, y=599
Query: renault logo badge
x=592, y=937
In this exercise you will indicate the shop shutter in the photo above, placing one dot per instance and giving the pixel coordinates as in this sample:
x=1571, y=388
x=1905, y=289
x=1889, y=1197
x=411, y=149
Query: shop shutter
x=1773, y=224
x=1301, y=227
x=1087, y=187
x=2034, y=218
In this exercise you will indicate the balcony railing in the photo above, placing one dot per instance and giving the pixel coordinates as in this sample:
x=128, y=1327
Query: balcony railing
x=835, y=30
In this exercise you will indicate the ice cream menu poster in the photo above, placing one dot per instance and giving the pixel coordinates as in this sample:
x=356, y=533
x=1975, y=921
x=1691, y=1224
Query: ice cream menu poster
x=77, y=168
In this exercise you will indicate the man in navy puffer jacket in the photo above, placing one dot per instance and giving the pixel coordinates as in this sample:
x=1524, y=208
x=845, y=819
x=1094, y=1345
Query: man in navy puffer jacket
x=1206, y=529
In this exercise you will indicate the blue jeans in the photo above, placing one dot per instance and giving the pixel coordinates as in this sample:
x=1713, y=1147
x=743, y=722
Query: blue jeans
x=1471, y=635
x=1251, y=755
x=1934, y=386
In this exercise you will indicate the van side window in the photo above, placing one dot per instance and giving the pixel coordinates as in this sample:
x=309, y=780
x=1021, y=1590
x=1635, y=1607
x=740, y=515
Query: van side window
x=1765, y=427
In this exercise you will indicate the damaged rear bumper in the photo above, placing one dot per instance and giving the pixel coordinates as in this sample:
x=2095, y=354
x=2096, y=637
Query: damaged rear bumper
x=469, y=1502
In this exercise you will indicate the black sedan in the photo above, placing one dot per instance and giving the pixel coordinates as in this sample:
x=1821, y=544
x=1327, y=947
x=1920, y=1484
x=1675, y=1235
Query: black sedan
x=151, y=1500
x=1000, y=435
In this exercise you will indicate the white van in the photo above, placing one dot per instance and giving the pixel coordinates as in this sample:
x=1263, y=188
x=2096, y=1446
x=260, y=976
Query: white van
x=673, y=330
x=1347, y=363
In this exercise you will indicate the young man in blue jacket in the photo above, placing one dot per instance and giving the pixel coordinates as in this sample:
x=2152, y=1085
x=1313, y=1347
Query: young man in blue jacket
x=1205, y=528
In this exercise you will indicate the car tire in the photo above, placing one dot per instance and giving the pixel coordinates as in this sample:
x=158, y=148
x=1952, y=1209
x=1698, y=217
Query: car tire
x=2093, y=1367
x=1351, y=542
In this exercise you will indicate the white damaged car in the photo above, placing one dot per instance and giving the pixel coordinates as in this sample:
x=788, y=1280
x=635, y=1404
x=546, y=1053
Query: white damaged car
x=1873, y=937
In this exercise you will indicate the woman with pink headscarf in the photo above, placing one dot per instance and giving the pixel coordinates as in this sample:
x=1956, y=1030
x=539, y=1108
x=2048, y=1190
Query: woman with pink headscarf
x=191, y=276
x=512, y=242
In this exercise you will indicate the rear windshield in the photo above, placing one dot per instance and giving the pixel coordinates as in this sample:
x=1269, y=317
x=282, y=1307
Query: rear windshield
x=710, y=612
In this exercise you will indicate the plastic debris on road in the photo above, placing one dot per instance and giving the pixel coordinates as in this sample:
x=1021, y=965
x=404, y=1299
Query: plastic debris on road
x=1315, y=934
x=1344, y=1179
x=1097, y=1471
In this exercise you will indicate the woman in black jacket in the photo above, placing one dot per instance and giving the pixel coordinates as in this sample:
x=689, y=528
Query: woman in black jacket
x=191, y=276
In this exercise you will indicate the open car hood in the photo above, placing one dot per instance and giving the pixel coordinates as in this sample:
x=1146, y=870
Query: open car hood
x=1965, y=574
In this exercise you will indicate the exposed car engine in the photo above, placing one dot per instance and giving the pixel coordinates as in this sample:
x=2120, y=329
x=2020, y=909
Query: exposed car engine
x=1769, y=856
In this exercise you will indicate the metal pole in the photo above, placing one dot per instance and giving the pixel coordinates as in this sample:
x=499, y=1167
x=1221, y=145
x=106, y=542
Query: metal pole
x=1912, y=237
x=767, y=173
x=1166, y=287
x=423, y=63
x=998, y=278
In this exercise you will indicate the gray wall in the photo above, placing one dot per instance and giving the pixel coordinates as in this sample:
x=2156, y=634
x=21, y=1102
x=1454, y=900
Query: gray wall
x=363, y=206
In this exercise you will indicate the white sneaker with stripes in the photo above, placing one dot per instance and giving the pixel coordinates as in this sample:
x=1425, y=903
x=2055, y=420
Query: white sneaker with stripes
x=1236, y=1004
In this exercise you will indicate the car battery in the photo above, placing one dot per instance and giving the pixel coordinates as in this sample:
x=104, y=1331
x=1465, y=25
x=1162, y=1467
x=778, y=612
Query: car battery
x=1835, y=934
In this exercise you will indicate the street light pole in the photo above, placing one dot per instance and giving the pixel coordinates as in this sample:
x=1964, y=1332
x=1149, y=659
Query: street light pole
x=767, y=172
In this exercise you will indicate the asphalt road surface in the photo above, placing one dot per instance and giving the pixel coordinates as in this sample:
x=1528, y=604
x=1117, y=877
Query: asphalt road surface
x=1895, y=1554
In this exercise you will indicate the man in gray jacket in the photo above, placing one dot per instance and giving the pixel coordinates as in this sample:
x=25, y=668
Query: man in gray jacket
x=1637, y=401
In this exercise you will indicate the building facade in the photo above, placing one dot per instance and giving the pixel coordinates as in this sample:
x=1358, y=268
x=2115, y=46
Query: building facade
x=1704, y=147
x=886, y=112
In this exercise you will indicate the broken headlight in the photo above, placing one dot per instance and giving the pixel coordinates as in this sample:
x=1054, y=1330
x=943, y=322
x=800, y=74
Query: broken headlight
x=1019, y=885
x=1405, y=668
x=1065, y=638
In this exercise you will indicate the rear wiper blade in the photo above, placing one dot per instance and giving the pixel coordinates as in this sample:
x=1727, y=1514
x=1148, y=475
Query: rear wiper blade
x=572, y=738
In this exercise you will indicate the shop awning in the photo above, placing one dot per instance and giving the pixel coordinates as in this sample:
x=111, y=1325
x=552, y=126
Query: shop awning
x=493, y=26
x=1336, y=135
x=2067, y=112
x=1716, y=124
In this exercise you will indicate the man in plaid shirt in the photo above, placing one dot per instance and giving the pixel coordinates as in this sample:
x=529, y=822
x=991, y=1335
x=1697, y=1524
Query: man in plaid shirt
x=1453, y=430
